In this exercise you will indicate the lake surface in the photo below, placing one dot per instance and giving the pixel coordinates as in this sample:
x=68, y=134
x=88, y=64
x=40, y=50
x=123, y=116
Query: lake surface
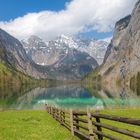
x=69, y=96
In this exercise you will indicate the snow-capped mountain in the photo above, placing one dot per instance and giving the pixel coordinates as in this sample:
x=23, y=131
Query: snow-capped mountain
x=66, y=41
x=41, y=52
x=61, y=55
x=96, y=49
x=37, y=50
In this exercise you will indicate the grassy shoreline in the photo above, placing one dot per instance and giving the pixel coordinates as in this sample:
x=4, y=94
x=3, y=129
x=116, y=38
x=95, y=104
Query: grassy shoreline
x=39, y=125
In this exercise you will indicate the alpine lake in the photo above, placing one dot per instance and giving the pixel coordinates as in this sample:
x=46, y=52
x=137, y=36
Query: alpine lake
x=72, y=96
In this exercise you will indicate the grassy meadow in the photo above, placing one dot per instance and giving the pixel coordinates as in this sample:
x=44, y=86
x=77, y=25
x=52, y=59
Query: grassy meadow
x=39, y=125
x=31, y=125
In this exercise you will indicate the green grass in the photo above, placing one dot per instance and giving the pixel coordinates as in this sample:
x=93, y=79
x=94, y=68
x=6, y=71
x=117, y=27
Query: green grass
x=31, y=125
x=126, y=112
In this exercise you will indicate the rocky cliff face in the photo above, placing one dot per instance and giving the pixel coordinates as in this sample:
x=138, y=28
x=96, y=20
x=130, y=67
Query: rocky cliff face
x=122, y=59
x=13, y=53
x=96, y=49
x=37, y=50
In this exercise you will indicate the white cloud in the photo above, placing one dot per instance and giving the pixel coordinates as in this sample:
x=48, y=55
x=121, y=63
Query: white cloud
x=78, y=16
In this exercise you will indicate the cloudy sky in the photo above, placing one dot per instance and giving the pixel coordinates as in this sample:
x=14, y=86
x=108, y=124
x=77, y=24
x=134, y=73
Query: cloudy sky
x=51, y=18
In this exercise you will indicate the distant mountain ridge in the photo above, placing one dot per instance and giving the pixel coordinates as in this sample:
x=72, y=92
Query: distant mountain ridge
x=41, y=52
x=61, y=55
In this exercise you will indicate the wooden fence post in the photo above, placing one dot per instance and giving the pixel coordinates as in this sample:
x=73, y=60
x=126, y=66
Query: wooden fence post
x=77, y=122
x=51, y=110
x=71, y=122
x=100, y=137
x=91, y=134
x=46, y=107
x=55, y=113
x=63, y=117
x=60, y=116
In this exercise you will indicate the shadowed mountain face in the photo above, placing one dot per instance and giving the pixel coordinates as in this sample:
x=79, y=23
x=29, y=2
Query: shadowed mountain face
x=13, y=53
x=12, y=49
x=75, y=63
x=122, y=60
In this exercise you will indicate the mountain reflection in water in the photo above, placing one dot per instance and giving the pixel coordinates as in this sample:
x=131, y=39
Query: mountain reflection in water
x=74, y=96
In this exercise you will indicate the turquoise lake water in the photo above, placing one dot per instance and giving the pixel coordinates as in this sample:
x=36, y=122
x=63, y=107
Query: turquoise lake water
x=71, y=96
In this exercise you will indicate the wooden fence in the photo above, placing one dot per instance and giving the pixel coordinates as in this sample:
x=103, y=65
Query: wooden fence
x=88, y=125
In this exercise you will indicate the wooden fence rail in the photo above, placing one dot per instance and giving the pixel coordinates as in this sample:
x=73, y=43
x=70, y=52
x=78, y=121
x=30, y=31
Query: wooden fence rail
x=88, y=125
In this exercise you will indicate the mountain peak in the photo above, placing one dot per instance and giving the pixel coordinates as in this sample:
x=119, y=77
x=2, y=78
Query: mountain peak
x=34, y=42
x=123, y=23
x=66, y=41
